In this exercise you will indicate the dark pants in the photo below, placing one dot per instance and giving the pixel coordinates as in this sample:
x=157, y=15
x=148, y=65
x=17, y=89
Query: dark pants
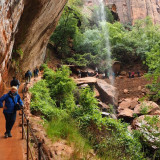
x=10, y=120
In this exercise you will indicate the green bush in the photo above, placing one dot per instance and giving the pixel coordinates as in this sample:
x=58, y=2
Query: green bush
x=105, y=134
x=53, y=99
x=41, y=102
x=61, y=87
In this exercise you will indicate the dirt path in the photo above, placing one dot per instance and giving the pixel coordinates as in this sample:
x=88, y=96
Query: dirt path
x=13, y=148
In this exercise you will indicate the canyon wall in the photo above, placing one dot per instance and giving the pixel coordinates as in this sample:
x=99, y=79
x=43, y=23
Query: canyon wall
x=10, y=13
x=131, y=10
x=25, y=28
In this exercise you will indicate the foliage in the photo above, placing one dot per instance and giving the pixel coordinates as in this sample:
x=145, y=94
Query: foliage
x=78, y=60
x=110, y=134
x=53, y=98
x=97, y=14
x=150, y=133
x=144, y=109
x=61, y=87
x=153, y=61
x=75, y=2
x=66, y=128
x=65, y=31
x=41, y=101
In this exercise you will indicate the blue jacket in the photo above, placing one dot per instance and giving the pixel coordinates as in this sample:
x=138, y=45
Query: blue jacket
x=9, y=102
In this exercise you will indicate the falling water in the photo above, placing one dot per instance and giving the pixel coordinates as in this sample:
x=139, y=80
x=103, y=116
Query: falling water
x=101, y=15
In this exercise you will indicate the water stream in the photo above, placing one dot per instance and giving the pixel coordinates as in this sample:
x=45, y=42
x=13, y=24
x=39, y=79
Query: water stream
x=102, y=18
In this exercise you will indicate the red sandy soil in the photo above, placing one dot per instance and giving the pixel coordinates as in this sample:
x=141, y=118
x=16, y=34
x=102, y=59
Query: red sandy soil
x=131, y=84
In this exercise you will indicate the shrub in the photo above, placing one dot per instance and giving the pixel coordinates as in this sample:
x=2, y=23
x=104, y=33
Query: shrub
x=41, y=102
x=61, y=87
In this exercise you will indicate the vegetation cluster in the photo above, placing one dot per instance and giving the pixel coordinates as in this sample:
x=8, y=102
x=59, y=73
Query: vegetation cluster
x=78, y=120
x=80, y=40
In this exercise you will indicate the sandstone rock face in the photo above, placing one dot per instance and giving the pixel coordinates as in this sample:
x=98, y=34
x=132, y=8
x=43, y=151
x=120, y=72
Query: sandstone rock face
x=10, y=13
x=131, y=10
x=26, y=25
x=37, y=23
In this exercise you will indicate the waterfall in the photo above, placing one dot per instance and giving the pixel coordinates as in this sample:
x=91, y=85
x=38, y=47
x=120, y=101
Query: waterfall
x=101, y=16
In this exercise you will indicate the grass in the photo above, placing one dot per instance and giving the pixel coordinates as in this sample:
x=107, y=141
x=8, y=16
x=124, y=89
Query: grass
x=66, y=129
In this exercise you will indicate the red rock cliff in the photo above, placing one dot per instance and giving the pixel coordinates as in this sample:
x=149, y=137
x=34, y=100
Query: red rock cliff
x=26, y=25
x=131, y=10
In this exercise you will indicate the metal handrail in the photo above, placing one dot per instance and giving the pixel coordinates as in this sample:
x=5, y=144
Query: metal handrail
x=26, y=135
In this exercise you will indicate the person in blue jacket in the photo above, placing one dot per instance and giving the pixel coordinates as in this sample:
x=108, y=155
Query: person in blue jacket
x=28, y=76
x=8, y=109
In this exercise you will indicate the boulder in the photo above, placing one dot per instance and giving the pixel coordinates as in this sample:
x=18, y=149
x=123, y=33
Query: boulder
x=124, y=104
x=155, y=111
x=104, y=107
x=149, y=126
x=123, y=73
x=125, y=91
x=97, y=94
x=86, y=80
x=126, y=114
x=128, y=103
x=146, y=107
x=113, y=116
x=139, y=88
x=134, y=103
x=108, y=93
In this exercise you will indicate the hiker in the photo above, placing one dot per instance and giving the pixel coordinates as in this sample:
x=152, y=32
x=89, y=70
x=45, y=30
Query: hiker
x=15, y=82
x=96, y=70
x=79, y=74
x=129, y=73
x=36, y=71
x=132, y=75
x=9, y=109
x=28, y=76
x=113, y=74
x=103, y=75
x=138, y=73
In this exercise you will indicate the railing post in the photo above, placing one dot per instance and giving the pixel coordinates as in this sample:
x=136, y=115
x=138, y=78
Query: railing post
x=22, y=123
x=39, y=150
x=27, y=139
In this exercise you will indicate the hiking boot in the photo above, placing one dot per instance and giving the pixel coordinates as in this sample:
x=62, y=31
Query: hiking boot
x=6, y=135
x=9, y=135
